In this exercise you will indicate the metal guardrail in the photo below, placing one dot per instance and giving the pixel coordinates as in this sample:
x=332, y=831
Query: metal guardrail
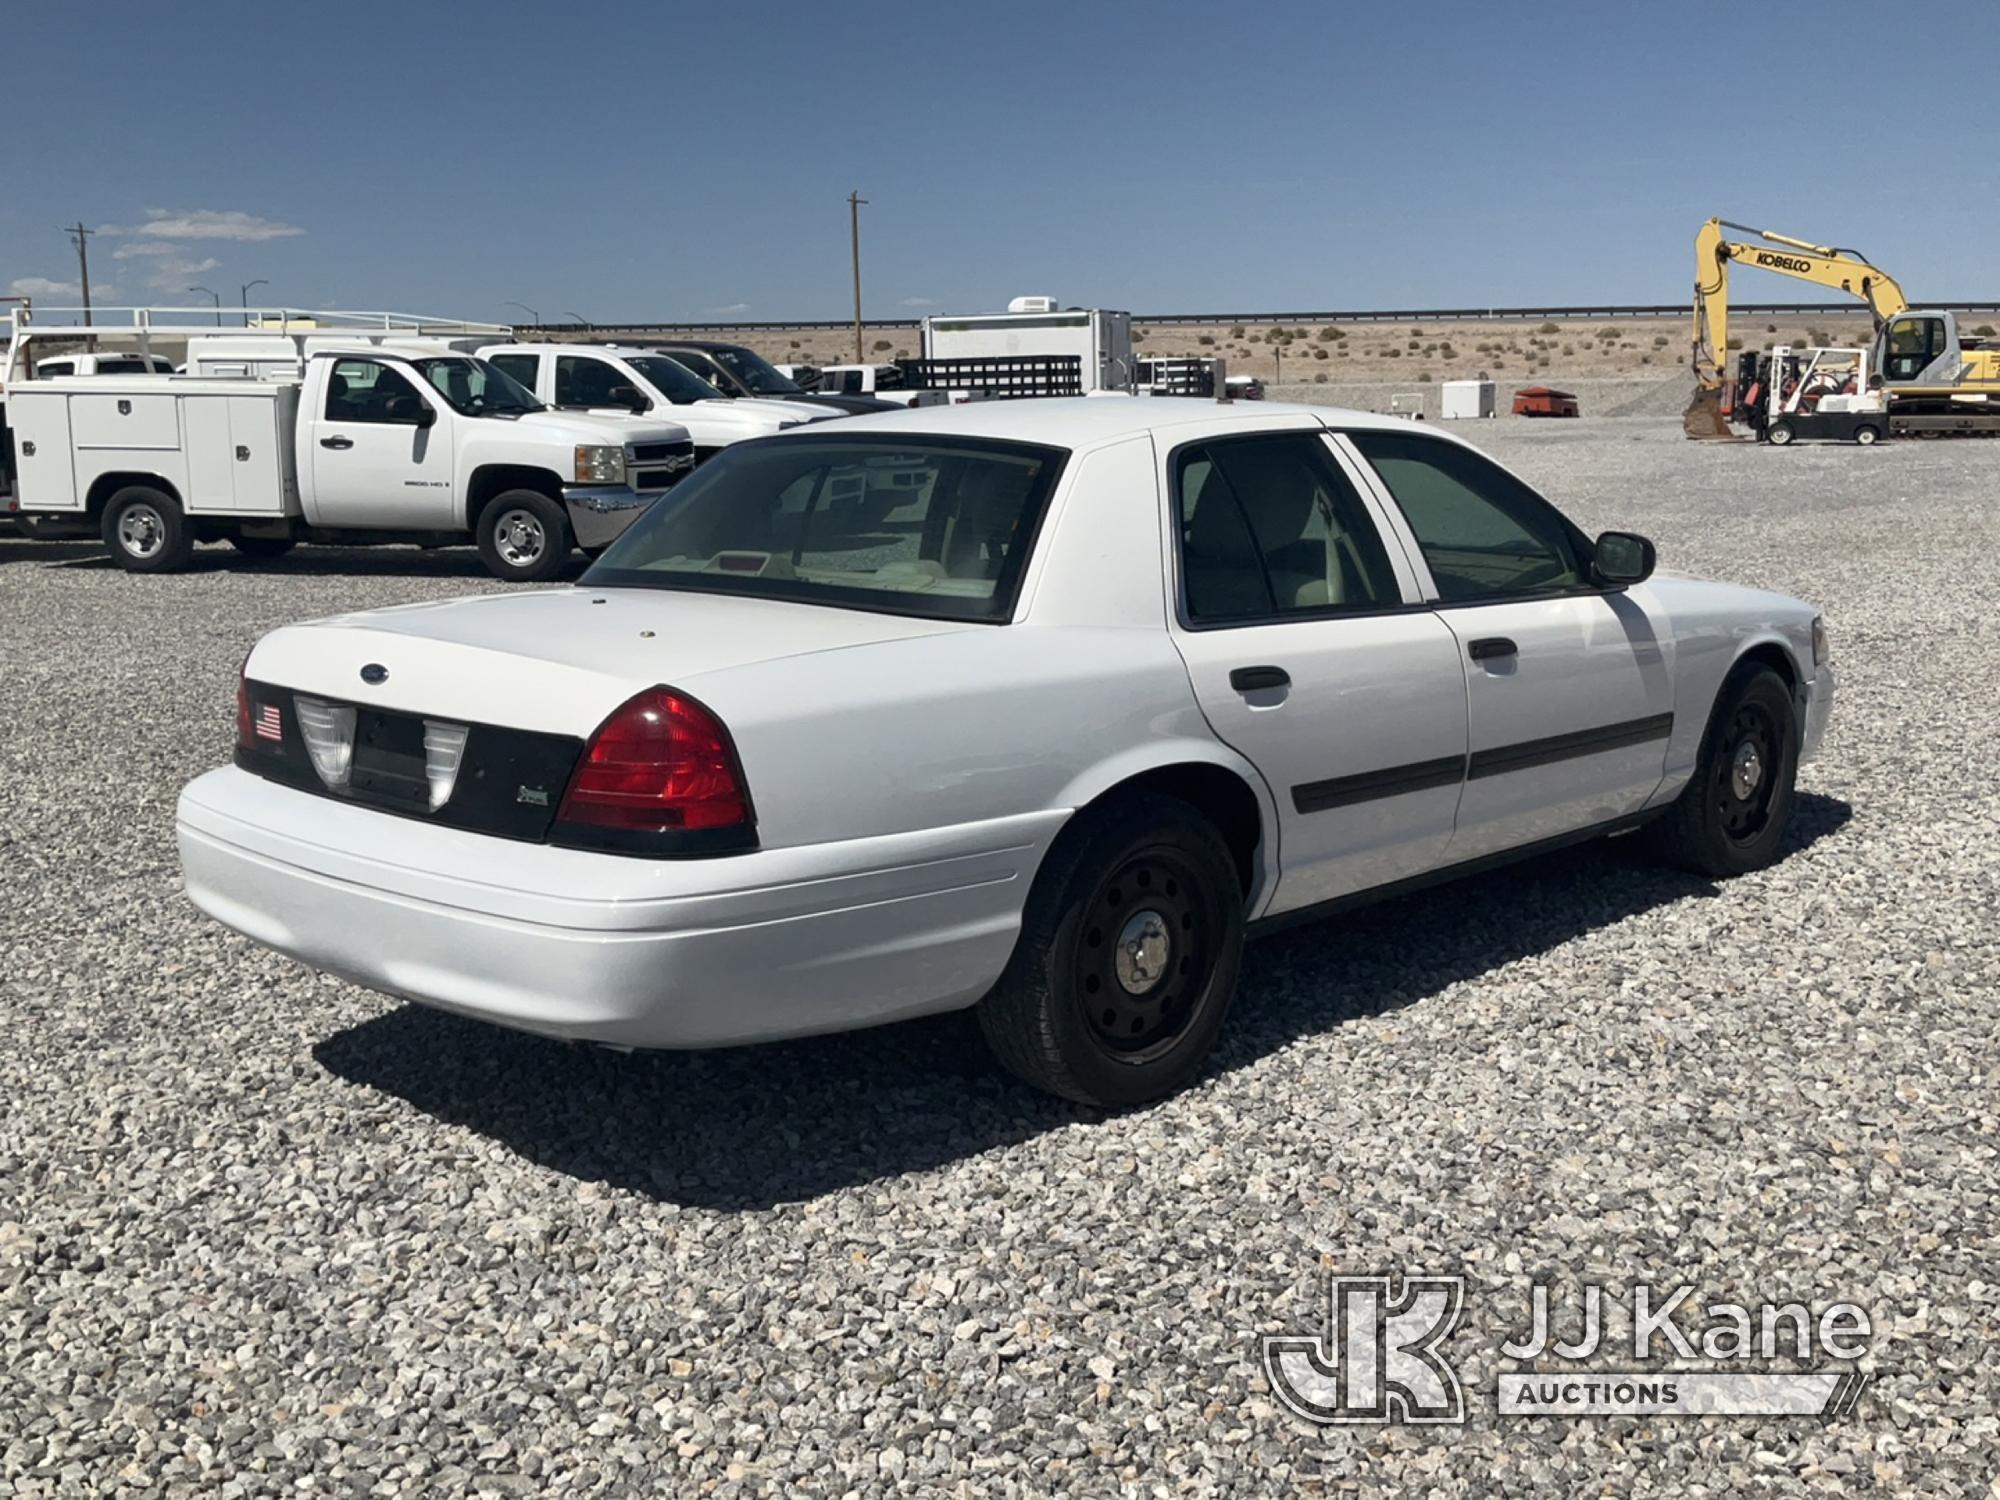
x=1348, y=315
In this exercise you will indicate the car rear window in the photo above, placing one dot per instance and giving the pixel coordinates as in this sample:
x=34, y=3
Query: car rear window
x=907, y=525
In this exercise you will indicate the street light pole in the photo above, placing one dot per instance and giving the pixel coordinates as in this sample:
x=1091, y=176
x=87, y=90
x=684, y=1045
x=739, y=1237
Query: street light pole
x=528, y=310
x=245, y=297
x=854, y=202
x=213, y=298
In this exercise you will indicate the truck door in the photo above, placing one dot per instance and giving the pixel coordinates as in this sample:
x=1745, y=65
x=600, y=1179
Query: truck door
x=373, y=460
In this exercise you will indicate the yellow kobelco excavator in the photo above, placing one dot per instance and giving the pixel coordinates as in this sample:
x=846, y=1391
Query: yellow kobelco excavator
x=1934, y=381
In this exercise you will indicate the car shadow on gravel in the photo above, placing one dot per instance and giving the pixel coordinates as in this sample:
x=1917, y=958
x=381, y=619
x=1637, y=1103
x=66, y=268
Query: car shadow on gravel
x=754, y=1127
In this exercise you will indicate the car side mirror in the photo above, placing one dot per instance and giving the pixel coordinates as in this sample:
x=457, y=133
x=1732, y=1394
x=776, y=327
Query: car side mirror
x=1621, y=558
x=628, y=396
x=426, y=414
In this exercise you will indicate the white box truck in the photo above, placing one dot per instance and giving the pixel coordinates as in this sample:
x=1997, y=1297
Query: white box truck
x=1035, y=348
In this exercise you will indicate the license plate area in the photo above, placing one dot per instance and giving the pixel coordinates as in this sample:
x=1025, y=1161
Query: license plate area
x=389, y=760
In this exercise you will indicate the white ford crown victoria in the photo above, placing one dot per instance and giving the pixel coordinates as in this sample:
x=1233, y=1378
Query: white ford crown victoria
x=1031, y=706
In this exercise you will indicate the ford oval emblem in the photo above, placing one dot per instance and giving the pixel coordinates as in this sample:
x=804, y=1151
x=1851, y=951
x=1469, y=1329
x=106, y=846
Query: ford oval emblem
x=374, y=672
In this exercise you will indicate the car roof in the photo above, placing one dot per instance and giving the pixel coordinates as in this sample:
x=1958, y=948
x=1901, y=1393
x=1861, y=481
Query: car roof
x=1080, y=422
x=707, y=346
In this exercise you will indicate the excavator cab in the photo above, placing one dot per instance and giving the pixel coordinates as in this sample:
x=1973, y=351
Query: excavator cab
x=1920, y=348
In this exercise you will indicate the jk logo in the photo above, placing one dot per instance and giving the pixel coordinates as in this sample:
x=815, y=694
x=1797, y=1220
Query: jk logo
x=1378, y=1360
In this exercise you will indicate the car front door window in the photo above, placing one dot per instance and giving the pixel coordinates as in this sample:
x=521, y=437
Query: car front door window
x=1484, y=534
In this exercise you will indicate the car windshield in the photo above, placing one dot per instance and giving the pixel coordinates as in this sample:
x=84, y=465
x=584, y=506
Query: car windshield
x=755, y=372
x=474, y=388
x=907, y=525
x=676, y=382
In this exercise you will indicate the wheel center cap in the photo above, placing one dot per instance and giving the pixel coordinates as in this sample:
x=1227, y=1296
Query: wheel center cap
x=1143, y=949
x=1746, y=771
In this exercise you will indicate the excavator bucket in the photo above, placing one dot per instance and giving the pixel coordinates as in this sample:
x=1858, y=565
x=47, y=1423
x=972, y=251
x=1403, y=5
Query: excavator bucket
x=1703, y=418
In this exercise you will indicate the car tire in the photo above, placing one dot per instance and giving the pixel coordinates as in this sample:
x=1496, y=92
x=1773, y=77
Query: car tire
x=1780, y=435
x=1867, y=436
x=524, y=537
x=1127, y=957
x=1731, y=817
x=145, y=530
x=263, y=548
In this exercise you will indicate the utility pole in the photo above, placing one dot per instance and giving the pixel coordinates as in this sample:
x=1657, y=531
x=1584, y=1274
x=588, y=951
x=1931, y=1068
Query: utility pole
x=854, y=202
x=79, y=237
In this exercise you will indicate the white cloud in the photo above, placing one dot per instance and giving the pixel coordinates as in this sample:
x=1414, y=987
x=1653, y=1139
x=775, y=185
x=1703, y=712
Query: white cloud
x=41, y=286
x=172, y=275
x=918, y=302
x=204, y=224
x=731, y=307
x=145, y=247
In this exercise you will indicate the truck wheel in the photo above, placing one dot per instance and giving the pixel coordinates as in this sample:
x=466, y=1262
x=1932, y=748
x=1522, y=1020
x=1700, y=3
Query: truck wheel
x=1127, y=957
x=262, y=547
x=145, y=530
x=1867, y=436
x=1780, y=434
x=1731, y=817
x=523, y=536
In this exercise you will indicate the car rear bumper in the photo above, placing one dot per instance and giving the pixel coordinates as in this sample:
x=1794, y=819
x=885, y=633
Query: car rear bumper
x=1815, y=709
x=599, y=513
x=606, y=948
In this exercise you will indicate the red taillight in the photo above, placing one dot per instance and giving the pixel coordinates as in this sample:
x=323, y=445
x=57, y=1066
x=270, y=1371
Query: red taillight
x=661, y=764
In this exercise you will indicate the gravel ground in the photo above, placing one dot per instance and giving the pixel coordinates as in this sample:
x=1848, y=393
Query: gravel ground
x=261, y=1231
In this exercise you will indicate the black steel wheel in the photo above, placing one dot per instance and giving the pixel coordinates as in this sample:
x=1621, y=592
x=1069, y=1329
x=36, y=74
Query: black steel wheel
x=1127, y=957
x=1732, y=815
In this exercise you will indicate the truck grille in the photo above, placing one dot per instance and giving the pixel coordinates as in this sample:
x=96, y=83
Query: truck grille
x=659, y=466
x=653, y=453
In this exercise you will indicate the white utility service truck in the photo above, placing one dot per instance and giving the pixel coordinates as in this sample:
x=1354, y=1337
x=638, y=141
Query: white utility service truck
x=383, y=431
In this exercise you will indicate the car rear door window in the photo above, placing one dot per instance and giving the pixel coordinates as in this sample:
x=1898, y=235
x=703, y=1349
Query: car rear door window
x=1483, y=532
x=1271, y=527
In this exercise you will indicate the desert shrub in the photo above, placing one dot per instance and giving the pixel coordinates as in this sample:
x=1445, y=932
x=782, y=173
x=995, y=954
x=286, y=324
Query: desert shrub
x=1205, y=341
x=1320, y=378
x=1736, y=343
x=1139, y=336
x=1426, y=375
x=1659, y=341
x=1236, y=332
x=1548, y=328
x=1984, y=331
x=881, y=346
x=900, y=354
x=1770, y=328
x=1329, y=333
x=797, y=345
x=1645, y=359
x=1253, y=338
x=1568, y=350
x=1392, y=353
x=1319, y=354
x=1609, y=335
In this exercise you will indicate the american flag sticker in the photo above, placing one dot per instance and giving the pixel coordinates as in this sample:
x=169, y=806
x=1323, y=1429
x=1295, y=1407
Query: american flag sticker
x=269, y=726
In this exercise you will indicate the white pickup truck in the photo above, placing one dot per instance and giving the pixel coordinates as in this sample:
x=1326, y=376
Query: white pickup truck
x=616, y=378
x=367, y=445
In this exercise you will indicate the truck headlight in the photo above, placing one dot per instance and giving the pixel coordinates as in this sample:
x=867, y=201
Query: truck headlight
x=599, y=465
x=1821, y=651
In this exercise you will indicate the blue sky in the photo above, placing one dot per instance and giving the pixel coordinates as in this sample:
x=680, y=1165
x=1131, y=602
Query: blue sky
x=627, y=161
